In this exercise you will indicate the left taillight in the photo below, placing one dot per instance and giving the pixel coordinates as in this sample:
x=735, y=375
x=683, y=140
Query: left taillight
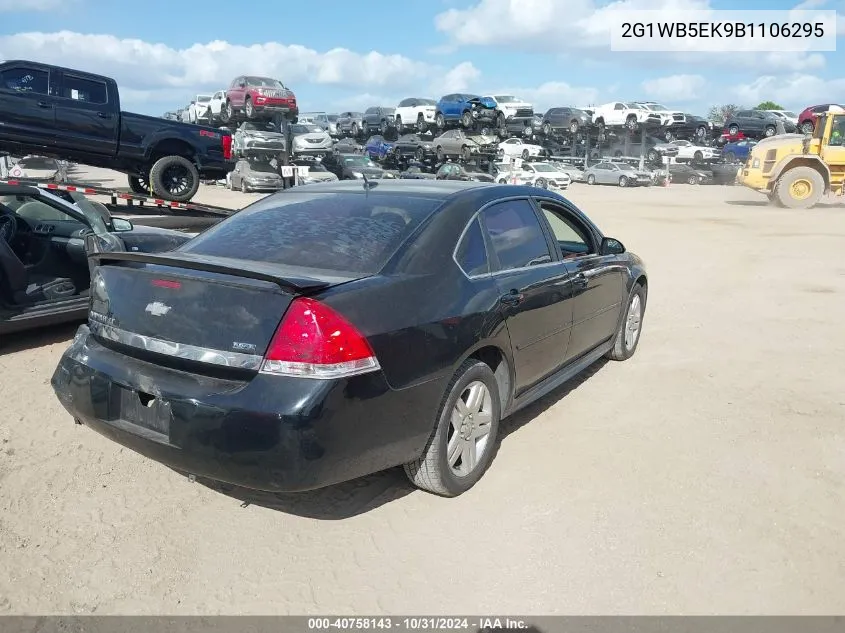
x=314, y=341
x=227, y=146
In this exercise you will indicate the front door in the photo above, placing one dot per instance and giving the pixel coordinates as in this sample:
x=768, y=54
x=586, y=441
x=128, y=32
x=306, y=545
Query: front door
x=534, y=289
x=27, y=106
x=237, y=92
x=833, y=151
x=598, y=281
x=89, y=115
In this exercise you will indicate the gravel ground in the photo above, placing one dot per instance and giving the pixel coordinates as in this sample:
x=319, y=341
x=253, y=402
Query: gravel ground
x=703, y=476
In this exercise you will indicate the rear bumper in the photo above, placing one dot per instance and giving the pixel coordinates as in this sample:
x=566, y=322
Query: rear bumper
x=264, y=433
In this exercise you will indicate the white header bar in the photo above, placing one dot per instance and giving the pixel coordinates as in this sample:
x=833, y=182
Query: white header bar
x=694, y=31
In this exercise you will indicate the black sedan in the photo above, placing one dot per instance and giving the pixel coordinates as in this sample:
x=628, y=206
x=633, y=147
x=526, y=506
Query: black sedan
x=44, y=242
x=351, y=327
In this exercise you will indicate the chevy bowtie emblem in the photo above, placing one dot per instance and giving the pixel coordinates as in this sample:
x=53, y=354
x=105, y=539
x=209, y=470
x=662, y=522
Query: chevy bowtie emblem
x=157, y=308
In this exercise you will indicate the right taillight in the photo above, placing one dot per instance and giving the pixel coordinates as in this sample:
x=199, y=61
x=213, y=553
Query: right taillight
x=227, y=147
x=314, y=341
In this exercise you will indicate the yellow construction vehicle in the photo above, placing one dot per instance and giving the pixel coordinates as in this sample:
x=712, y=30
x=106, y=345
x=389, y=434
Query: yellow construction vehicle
x=794, y=170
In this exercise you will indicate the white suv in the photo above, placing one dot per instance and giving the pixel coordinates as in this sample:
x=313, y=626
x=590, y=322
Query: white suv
x=621, y=113
x=415, y=112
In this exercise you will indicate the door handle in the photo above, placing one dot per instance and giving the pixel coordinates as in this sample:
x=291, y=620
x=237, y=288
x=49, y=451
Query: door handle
x=513, y=298
x=580, y=280
x=45, y=104
x=104, y=115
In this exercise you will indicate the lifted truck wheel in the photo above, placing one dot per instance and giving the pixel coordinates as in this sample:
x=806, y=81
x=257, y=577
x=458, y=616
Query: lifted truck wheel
x=139, y=185
x=799, y=188
x=175, y=178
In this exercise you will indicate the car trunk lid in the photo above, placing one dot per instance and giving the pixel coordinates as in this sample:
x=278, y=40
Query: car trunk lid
x=183, y=307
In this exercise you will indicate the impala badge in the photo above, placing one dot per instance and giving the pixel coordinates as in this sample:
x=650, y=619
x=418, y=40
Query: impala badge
x=157, y=308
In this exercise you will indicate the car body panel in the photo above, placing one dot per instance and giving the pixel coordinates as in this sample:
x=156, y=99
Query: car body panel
x=63, y=254
x=74, y=115
x=292, y=434
x=268, y=96
x=454, y=142
x=610, y=173
x=310, y=139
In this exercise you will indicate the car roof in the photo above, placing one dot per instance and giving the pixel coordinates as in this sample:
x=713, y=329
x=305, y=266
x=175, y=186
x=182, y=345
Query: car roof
x=482, y=192
x=12, y=190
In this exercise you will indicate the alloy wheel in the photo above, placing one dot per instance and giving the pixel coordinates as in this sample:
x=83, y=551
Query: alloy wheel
x=632, y=322
x=469, y=434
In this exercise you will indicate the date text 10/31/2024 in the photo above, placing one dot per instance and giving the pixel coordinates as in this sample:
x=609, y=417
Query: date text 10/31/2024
x=419, y=623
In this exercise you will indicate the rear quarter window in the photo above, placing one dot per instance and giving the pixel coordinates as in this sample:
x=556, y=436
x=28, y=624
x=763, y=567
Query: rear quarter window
x=340, y=232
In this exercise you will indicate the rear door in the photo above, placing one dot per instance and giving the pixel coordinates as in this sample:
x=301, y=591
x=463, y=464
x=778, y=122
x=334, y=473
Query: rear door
x=597, y=281
x=26, y=104
x=534, y=288
x=88, y=114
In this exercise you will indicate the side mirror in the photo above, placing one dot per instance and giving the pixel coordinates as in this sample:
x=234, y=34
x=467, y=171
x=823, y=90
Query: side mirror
x=611, y=246
x=121, y=225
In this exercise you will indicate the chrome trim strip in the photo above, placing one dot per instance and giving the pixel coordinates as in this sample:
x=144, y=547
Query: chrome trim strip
x=177, y=350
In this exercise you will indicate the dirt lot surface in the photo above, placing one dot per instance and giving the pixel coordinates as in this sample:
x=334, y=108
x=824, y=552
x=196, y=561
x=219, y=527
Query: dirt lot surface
x=706, y=475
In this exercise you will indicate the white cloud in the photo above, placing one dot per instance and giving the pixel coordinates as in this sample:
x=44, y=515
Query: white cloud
x=545, y=25
x=675, y=88
x=795, y=92
x=461, y=77
x=582, y=28
x=151, y=72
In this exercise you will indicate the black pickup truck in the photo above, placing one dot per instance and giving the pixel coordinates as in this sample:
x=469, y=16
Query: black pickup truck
x=76, y=116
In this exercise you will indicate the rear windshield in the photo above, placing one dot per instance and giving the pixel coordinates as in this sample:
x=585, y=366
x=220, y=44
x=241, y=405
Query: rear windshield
x=340, y=232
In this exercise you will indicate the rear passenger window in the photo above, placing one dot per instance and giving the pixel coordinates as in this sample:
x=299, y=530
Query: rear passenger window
x=472, y=253
x=517, y=237
x=86, y=90
x=25, y=80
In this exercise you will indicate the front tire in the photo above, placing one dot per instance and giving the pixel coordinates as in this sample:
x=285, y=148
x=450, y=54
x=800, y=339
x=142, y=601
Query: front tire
x=692, y=180
x=249, y=109
x=623, y=181
x=591, y=180
x=799, y=188
x=733, y=130
x=463, y=442
x=139, y=185
x=628, y=334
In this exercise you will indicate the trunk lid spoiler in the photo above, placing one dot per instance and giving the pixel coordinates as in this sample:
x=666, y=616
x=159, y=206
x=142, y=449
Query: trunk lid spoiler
x=286, y=278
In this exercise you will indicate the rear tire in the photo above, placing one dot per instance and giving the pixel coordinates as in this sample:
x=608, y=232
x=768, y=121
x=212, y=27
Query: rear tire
x=631, y=325
x=434, y=471
x=169, y=168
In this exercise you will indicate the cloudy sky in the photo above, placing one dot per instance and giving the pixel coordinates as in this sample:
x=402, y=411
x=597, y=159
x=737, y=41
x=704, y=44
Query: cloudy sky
x=340, y=55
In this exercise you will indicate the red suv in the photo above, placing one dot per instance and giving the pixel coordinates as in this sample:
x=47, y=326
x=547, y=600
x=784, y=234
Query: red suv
x=808, y=116
x=258, y=98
